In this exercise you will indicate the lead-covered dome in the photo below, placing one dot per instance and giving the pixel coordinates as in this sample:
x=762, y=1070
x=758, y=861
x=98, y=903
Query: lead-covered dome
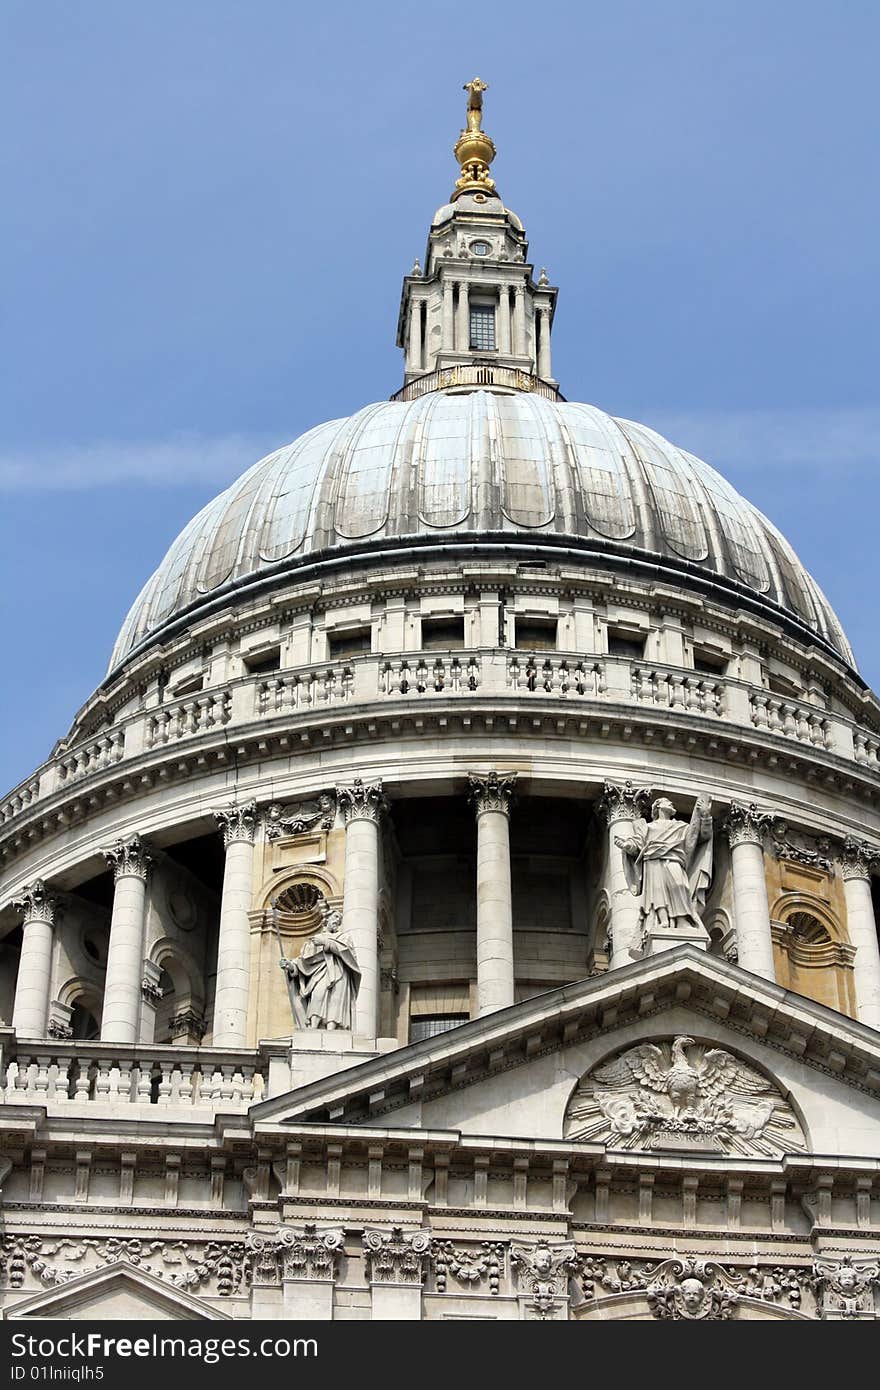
x=481, y=469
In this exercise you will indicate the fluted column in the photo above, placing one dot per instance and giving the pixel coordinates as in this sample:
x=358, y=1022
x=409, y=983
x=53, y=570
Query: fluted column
x=746, y=827
x=520, y=345
x=491, y=796
x=857, y=861
x=619, y=806
x=120, y=1018
x=463, y=319
x=30, y=1011
x=239, y=826
x=362, y=806
x=446, y=321
x=543, y=318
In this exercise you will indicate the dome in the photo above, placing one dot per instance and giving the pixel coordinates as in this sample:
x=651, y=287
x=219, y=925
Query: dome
x=480, y=469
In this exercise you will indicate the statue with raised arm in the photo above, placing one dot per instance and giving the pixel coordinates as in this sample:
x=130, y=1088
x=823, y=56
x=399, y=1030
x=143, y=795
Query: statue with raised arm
x=668, y=863
x=324, y=978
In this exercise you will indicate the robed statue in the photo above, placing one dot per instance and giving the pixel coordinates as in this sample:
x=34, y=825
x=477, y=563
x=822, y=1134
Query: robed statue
x=668, y=863
x=324, y=978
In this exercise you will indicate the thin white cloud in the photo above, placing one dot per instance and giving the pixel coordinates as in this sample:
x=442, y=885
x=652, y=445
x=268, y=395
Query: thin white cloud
x=176, y=462
x=754, y=440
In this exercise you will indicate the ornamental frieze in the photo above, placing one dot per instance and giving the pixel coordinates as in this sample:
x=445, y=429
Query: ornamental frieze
x=216, y=1267
x=680, y=1094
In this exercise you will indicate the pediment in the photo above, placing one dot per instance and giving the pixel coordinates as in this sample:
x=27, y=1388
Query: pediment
x=120, y=1292
x=797, y=1074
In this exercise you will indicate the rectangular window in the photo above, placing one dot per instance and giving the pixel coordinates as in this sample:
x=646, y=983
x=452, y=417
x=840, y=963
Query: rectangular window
x=708, y=664
x=341, y=644
x=536, y=634
x=483, y=327
x=262, y=663
x=429, y=1025
x=626, y=644
x=442, y=634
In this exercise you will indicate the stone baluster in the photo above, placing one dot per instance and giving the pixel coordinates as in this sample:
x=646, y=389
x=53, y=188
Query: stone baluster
x=619, y=806
x=130, y=862
x=239, y=825
x=362, y=806
x=30, y=1009
x=857, y=861
x=745, y=827
x=491, y=795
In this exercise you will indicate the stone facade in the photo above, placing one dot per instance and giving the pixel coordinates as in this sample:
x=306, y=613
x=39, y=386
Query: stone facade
x=579, y=1081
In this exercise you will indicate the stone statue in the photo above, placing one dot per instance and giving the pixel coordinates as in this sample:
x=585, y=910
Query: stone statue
x=323, y=980
x=669, y=862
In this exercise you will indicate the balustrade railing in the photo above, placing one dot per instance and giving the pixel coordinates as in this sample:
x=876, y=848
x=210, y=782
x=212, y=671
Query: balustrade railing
x=193, y=716
x=553, y=675
x=99, y=1074
x=779, y=716
x=675, y=691
x=430, y=675
x=332, y=685
x=867, y=749
x=94, y=756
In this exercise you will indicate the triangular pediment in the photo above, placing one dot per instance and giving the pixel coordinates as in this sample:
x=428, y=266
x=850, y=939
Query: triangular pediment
x=515, y=1072
x=118, y=1292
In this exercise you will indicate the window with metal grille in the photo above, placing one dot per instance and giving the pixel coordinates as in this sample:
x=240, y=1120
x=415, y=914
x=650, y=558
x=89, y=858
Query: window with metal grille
x=483, y=327
x=429, y=1025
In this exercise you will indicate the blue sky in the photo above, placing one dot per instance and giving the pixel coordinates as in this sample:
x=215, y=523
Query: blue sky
x=209, y=205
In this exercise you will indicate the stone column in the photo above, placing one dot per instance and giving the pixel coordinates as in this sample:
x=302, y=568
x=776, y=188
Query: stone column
x=504, y=320
x=362, y=808
x=30, y=1011
x=239, y=825
x=520, y=346
x=543, y=319
x=857, y=861
x=491, y=796
x=745, y=827
x=120, y=1018
x=619, y=806
x=396, y=1262
x=414, y=337
x=463, y=319
x=446, y=324
x=309, y=1263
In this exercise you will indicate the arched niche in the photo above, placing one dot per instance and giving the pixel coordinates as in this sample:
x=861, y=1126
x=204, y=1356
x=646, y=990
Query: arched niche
x=812, y=953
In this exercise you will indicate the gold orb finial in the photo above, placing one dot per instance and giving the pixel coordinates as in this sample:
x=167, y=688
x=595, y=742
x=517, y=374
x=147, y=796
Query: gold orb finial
x=474, y=149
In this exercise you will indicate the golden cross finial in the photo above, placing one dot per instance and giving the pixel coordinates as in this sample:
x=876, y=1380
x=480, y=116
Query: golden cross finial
x=474, y=149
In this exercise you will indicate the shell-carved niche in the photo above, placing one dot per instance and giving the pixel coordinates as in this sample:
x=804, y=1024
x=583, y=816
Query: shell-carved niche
x=683, y=1095
x=298, y=908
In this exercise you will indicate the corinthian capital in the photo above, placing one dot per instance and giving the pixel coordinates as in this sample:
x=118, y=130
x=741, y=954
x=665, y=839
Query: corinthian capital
x=491, y=792
x=310, y=1253
x=129, y=858
x=37, y=903
x=858, y=859
x=397, y=1256
x=361, y=801
x=746, y=825
x=237, y=823
x=623, y=801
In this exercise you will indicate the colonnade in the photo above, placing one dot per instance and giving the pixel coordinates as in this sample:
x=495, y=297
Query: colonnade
x=362, y=807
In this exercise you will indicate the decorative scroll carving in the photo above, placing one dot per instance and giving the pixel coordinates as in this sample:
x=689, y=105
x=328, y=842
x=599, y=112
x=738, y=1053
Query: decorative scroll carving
x=262, y=1253
x=129, y=858
x=689, y=1290
x=219, y=1267
x=542, y=1274
x=746, y=825
x=469, y=1267
x=858, y=859
x=37, y=903
x=623, y=802
x=845, y=1288
x=310, y=1253
x=300, y=818
x=238, y=823
x=361, y=801
x=682, y=1095
x=491, y=791
x=397, y=1256
x=797, y=848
